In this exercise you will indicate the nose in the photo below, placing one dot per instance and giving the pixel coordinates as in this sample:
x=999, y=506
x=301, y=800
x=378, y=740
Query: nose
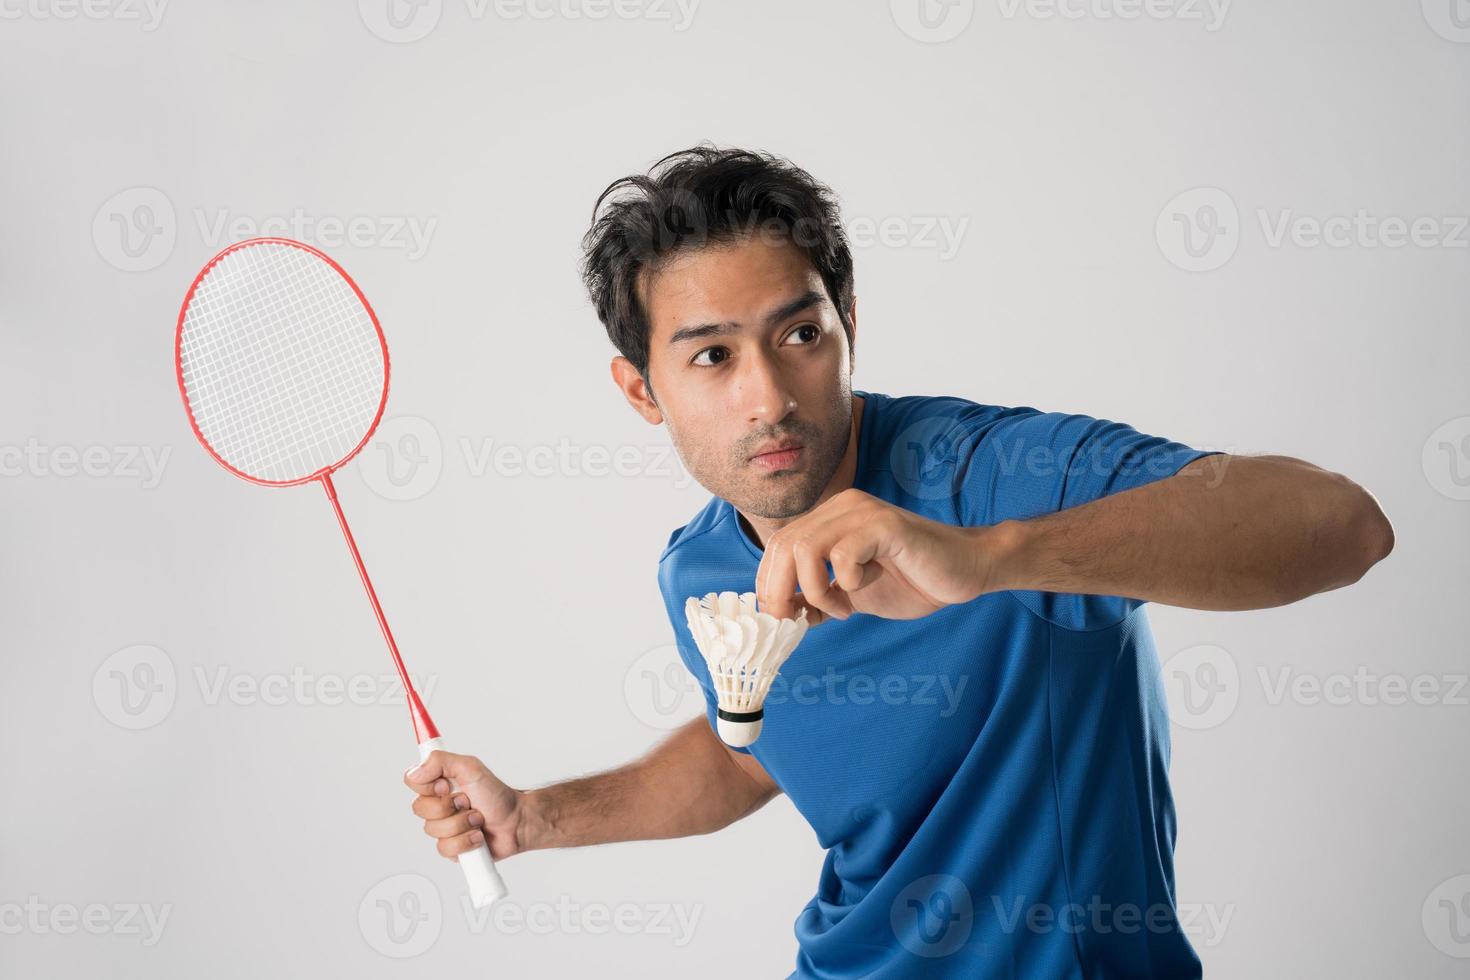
x=766, y=396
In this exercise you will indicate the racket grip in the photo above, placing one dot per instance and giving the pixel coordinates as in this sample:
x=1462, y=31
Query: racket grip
x=486, y=885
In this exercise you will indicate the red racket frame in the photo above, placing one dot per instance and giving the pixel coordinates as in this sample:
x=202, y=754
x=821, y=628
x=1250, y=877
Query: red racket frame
x=423, y=726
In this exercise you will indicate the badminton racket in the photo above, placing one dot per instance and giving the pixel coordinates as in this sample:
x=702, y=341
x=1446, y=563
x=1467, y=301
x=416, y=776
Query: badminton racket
x=283, y=369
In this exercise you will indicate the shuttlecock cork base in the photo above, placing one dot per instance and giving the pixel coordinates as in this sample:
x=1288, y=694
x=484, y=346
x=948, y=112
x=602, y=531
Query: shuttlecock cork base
x=744, y=650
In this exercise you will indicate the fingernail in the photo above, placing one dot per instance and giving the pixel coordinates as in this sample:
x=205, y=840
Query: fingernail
x=476, y=820
x=477, y=838
x=460, y=803
x=441, y=786
x=411, y=770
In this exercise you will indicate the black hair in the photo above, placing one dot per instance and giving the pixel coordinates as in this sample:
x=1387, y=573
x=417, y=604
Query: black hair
x=699, y=197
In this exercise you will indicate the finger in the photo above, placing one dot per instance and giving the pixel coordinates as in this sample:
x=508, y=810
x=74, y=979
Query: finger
x=452, y=847
x=817, y=592
x=852, y=559
x=438, y=807
x=421, y=778
x=777, y=591
x=460, y=823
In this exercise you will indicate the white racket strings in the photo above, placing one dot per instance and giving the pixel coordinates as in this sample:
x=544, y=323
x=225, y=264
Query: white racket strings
x=282, y=366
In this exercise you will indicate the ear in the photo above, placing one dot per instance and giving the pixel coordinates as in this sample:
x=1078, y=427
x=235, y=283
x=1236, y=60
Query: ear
x=852, y=341
x=635, y=389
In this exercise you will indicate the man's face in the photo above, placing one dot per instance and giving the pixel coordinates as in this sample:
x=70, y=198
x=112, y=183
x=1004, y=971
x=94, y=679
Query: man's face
x=747, y=355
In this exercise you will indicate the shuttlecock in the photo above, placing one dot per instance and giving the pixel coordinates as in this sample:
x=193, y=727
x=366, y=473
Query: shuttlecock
x=744, y=650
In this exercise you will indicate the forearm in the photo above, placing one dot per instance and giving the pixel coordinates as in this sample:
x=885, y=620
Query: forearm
x=689, y=784
x=1251, y=533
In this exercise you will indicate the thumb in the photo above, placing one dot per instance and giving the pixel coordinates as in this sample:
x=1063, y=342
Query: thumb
x=439, y=765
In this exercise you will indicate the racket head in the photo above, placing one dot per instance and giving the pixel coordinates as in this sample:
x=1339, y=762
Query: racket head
x=281, y=362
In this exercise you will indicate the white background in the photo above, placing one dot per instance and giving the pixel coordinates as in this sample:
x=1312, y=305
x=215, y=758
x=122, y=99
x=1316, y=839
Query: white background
x=1056, y=141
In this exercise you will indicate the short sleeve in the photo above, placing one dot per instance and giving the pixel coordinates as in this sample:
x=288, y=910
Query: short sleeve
x=1026, y=464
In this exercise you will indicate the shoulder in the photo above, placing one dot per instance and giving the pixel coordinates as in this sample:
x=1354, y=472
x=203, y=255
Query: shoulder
x=933, y=428
x=710, y=517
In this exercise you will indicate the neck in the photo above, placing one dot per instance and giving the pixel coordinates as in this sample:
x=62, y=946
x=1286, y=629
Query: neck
x=761, y=528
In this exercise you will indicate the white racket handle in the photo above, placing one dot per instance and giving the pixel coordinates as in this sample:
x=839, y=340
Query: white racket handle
x=479, y=869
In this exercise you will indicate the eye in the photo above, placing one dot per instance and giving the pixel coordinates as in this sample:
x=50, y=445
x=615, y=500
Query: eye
x=709, y=357
x=808, y=333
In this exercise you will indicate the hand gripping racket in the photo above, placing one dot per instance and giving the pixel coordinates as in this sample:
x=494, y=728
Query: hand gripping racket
x=284, y=373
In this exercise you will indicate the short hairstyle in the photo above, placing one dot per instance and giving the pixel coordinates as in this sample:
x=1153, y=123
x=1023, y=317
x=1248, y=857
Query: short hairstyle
x=705, y=196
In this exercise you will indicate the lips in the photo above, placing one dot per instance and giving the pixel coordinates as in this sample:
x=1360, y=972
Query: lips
x=778, y=447
x=780, y=456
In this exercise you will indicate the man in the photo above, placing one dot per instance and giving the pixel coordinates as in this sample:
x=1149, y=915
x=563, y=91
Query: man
x=1016, y=819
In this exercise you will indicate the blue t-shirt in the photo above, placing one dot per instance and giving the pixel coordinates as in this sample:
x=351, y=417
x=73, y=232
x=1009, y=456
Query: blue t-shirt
x=990, y=782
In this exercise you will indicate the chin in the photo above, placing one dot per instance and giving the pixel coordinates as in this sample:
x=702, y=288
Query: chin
x=774, y=504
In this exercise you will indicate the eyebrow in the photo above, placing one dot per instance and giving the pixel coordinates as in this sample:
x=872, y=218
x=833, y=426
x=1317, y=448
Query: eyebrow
x=803, y=302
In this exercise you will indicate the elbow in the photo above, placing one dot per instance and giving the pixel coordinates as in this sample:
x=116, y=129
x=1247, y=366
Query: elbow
x=1372, y=537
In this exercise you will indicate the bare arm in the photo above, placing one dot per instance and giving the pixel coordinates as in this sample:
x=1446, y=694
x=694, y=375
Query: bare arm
x=688, y=784
x=1225, y=532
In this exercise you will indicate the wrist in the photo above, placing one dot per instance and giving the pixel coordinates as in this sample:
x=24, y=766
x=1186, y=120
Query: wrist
x=533, y=820
x=1001, y=555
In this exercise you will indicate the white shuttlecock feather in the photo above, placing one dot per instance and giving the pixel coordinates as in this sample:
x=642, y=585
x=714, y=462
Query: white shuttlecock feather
x=744, y=650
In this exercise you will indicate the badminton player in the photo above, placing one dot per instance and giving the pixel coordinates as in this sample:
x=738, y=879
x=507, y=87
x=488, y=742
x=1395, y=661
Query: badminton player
x=975, y=729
